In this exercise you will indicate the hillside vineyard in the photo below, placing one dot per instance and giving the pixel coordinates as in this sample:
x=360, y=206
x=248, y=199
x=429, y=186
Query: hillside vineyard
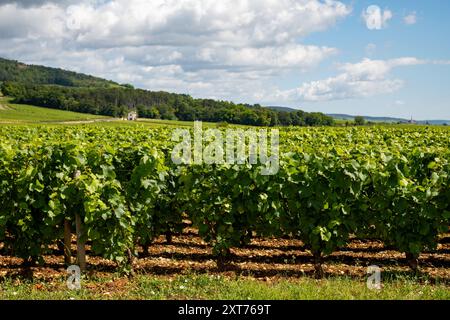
x=333, y=184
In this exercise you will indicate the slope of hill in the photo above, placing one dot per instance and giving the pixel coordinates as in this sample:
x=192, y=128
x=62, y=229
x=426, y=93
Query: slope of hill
x=19, y=113
x=282, y=109
x=59, y=89
x=15, y=71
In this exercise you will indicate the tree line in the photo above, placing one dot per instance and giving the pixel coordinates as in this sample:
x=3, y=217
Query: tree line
x=117, y=101
x=11, y=70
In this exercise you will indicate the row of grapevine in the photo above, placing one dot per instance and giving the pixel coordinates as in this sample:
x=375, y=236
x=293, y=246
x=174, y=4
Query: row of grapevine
x=389, y=184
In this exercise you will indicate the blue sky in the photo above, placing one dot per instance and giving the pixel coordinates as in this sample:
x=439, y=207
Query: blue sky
x=378, y=58
x=425, y=93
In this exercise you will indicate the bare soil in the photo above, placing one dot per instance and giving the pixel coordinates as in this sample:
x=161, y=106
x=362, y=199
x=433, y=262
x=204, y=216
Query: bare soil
x=263, y=259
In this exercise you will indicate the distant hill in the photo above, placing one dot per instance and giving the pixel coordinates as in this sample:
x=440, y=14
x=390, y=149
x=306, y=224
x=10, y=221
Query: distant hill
x=388, y=119
x=282, y=109
x=347, y=117
x=11, y=70
x=66, y=90
x=61, y=89
x=435, y=122
x=373, y=119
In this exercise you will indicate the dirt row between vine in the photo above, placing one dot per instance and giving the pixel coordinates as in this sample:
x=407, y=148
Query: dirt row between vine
x=264, y=259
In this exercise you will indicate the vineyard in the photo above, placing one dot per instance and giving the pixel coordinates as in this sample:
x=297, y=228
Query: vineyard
x=117, y=190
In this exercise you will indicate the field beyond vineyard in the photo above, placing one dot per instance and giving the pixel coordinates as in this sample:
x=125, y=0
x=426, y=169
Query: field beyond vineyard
x=343, y=199
x=26, y=114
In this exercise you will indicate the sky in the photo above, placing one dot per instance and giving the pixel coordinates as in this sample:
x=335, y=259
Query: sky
x=373, y=58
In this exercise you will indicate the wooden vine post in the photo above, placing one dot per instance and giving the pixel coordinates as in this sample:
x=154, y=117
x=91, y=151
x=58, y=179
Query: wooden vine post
x=67, y=243
x=318, y=268
x=81, y=250
x=413, y=262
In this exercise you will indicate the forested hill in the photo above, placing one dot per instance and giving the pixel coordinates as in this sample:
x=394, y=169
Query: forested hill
x=60, y=89
x=11, y=70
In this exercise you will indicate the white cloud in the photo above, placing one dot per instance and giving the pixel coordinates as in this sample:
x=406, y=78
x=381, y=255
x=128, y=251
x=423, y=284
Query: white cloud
x=234, y=22
x=410, y=19
x=377, y=69
x=356, y=80
x=287, y=56
x=230, y=49
x=441, y=62
x=375, y=18
x=31, y=23
x=34, y=3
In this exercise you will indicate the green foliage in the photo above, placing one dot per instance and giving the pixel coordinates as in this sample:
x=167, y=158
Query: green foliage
x=231, y=203
x=22, y=113
x=385, y=183
x=360, y=121
x=116, y=101
x=320, y=192
x=60, y=89
x=15, y=71
x=218, y=287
